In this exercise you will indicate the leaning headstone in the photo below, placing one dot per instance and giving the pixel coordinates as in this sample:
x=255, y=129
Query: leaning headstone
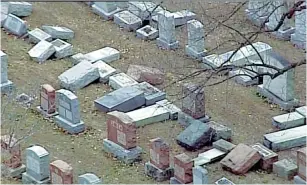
x=78, y=76
x=167, y=34
x=41, y=51
x=147, y=33
x=144, y=9
x=298, y=180
x=106, y=54
x=183, y=165
x=183, y=16
x=68, y=107
x=196, y=40
x=37, y=35
x=298, y=38
x=151, y=93
x=62, y=49
x=120, y=80
x=285, y=169
x=172, y=109
x=89, y=178
x=105, y=71
x=47, y=101
x=127, y=20
x=6, y=85
x=38, y=160
x=61, y=172
x=289, y=120
x=200, y=175
x=268, y=157
x=193, y=102
x=124, y=99
x=20, y=9
x=223, y=145
x=148, y=74
x=58, y=32
x=15, y=25
x=301, y=163
x=106, y=9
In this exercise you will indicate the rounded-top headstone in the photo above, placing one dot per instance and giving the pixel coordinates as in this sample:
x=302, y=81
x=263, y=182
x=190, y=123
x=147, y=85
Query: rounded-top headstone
x=89, y=178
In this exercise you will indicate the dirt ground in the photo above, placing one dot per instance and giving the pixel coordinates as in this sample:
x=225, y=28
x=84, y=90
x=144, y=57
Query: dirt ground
x=238, y=107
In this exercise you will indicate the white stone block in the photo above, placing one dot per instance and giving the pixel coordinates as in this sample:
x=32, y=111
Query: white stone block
x=183, y=16
x=58, y=32
x=147, y=33
x=15, y=25
x=106, y=54
x=212, y=155
x=121, y=80
x=38, y=35
x=289, y=120
x=41, y=51
x=302, y=110
x=127, y=20
x=62, y=49
x=144, y=9
x=105, y=71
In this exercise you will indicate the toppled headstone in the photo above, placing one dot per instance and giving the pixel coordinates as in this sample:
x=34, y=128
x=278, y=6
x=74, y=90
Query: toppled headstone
x=209, y=157
x=302, y=110
x=301, y=163
x=106, y=9
x=220, y=131
x=47, y=101
x=41, y=51
x=148, y=74
x=200, y=175
x=105, y=71
x=144, y=9
x=298, y=38
x=24, y=100
x=172, y=109
x=15, y=25
x=244, y=77
x=37, y=35
x=196, y=40
x=147, y=33
x=268, y=157
x=223, y=145
x=78, y=76
x=185, y=120
x=289, y=120
x=62, y=49
x=124, y=99
x=3, y=18
x=89, y=178
x=183, y=165
x=77, y=58
x=61, y=172
x=193, y=102
x=120, y=80
x=224, y=180
x=183, y=16
x=59, y=32
x=106, y=54
x=20, y=9
x=151, y=93
x=240, y=159
x=6, y=85
x=195, y=136
x=4, y=12
x=127, y=20
x=285, y=169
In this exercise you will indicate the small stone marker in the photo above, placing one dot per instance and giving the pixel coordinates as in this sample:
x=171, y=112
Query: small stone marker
x=38, y=160
x=47, y=101
x=62, y=49
x=78, y=76
x=183, y=16
x=120, y=80
x=193, y=102
x=89, y=178
x=289, y=120
x=200, y=175
x=37, y=35
x=301, y=163
x=302, y=110
x=240, y=159
x=151, y=93
x=223, y=145
x=6, y=85
x=61, y=172
x=144, y=9
x=196, y=42
x=220, y=131
x=224, y=180
x=268, y=157
x=127, y=20
x=298, y=38
x=68, y=107
x=106, y=9
x=172, y=109
x=106, y=54
x=15, y=25
x=183, y=165
x=59, y=32
x=148, y=74
x=285, y=169
x=41, y=51
x=105, y=71
x=124, y=99
x=20, y=9
x=147, y=33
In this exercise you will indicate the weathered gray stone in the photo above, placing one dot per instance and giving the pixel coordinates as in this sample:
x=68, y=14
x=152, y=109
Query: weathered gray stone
x=78, y=76
x=299, y=180
x=124, y=99
x=174, y=180
x=302, y=110
x=158, y=174
x=223, y=145
x=62, y=49
x=105, y=71
x=151, y=93
x=120, y=80
x=185, y=120
x=106, y=9
x=172, y=109
x=200, y=175
x=224, y=180
x=127, y=20
x=5, y=85
x=77, y=58
x=20, y=9
x=144, y=9
x=268, y=157
x=244, y=77
x=37, y=35
x=258, y=11
x=24, y=99
x=15, y=25
x=41, y=51
x=298, y=38
x=193, y=101
x=285, y=169
x=58, y=32
x=220, y=131
x=289, y=120
x=209, y=157
x=89, y=178
x=106, y=54
x=196, y=40
x=183, y=16
x=13, y=172
x=3, y=18
x=147, y=33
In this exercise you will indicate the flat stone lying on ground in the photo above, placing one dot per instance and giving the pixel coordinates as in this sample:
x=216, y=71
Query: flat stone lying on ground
x=209, y=157
x=89, y=178
x=38, y=35
x=148, y=74
x=268, y=157
x=172, y=109
x=183, y=16
x=105, y=9
x=106, y=54
x=78, y=76
x=62, y=48
x=105, y=71
x=285, y=169
x=120, y=80
x=289, y=120
x=223, y=145
x=185, y=120
x=144, y=9
x=127, y=20
x=15, y=25
x=41, y=51
x=151, y=93
x=244, y=77
x=59, y=32
x=302, y=110
x=224, y=180
x=20, y=9
x=147, y=33
x=220, y=131
x=299, y=180
x=286, y=139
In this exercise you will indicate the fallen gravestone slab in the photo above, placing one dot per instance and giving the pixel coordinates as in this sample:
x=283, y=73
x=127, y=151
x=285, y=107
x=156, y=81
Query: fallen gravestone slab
x=220, y=131
x=59, y=32
x=106, y=54
x=183, y=16
x=185, y=120
x=172, y=109
x=124, y=99
x=105, y=9
x=37, y=35
x=105, y=71
x=299, y=180
x=223, y=145
x=302, y=110
x=62, y=49
x=209, y=157
x=240, y=159
x=78, y=76
x=120, y=80
x=268, y=157
x=148, y=74
x=15, y=25
x=289, y=120
x=200, y=175
x=285, y=169
x=20, y=9
x=151, y=93
x=127, y=20
x=41, y=51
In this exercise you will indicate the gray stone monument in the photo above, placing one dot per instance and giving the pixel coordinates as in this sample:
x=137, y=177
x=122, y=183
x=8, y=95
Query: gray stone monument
x=6, y=85
x=37, y=35
x=89, y=178
x=62, y=49
x=127, y=20
x=106, y=9
x=258, y=11
x=15, y=25
x=196, y=40
x=68, y=107
x=41, y=51
x=200, y=175
x=58, y=32
x=298, y=38
x=20, y=9
x=38, y=160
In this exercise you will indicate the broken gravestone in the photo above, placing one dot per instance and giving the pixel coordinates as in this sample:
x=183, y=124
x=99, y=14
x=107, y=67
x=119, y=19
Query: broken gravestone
x=148, y=74
x=15, y=25
x=183, y=165
x=289, y=120
x=62, y=49
x=268, y=157
x=89, y=178
x=106, y=54
x=105, y=71
x=41, y=51
x=127, y=20
x=59, y=32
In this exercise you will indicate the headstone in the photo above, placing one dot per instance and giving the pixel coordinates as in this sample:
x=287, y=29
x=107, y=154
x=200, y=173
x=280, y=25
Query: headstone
x=41, y=51
x=258, y=11
x=302, y=110
x=183, y=16
x=240, y=159
x=6, y=85
x=15, y=25
x=68, y=107
x=185, y=120
x=200, y=175
x=196, y=40
x=124, y=99
x=105, y=71
x=289, y=120
x=59, y=32
x=167, y=35
x=224, y=180
x=20, y=9
x=127, y=20
x=195, y=136
x=78, y=76
x=37, y=35
x=151, y=93
x=38, y=160
x=298, y=38
x=147, y=33
x=299, y=180
x=47, y=101
x=144, y=9
x=3, y=18
x=61, y=172
x=4, y=12
x=223, y=145
x=89, y=178
x=62, y=49
x=172, y=109
x=301, y=163
x=120, y=80
x=286, y=139
x=106, y=9
x=220, y=131
x=212, y=155
x=148, y=74
x=193, y=102
x=183, y=165
x=285, y=169
x=106, y=54
x=245, y=77
x=268, y=157
x=77, y=58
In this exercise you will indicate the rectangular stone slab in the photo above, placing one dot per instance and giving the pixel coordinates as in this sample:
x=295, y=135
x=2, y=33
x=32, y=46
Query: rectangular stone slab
x=121, y=80
x=37, y=35
x=268, y=157
x=285, y=169
x=105, y=71
x=127, y=20
x=212, y=155
x=152, y=94
x=15, y=25
x=172, y=109
x=301, y=110
x=106, y=54
x=289, y=120
x=41, y=51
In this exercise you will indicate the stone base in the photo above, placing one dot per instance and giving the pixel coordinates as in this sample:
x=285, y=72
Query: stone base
x=7, y=88
x=13, y=172
x=298, y=180
x=45, y=113
x=68, y=126
x=243, y=80
x=104, y=14
x=127, y=156
x=298, y=43
x=173, y=180
x=194, y=54
x=147, y=33
x=168, y=46
x=281, y=34
x=256, y=20
x=27, y=179
x=158, y=174
x=285, y=105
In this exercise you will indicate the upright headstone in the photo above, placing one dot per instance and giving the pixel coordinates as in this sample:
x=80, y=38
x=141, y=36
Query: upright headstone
x=196, y=40
x=38, y=160
x=89, y=178
x=106, y=9
x=298, y=38
x=167, y=35
x=258, y=11
x=193, y=102
x=6, y=85
x=47, y=101
x=200, y=175
x=61, y=172
x=68, y=107
x=183, y=165
x=15, y=25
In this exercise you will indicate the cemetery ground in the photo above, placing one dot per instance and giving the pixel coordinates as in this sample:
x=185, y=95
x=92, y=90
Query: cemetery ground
x=236, y=106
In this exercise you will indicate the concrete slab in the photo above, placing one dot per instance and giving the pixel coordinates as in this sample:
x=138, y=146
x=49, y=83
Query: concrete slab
x=289, y=120
x=59, y=32
x=120, y=80
x=106, y=54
